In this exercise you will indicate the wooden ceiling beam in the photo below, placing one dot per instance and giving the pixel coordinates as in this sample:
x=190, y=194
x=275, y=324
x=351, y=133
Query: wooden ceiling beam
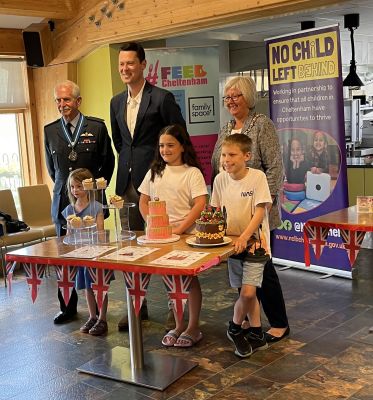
x=53, y=9
x=146, y=20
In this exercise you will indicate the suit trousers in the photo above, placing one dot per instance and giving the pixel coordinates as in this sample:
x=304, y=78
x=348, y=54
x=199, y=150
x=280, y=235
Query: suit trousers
x=131, y=195
x=271, y=297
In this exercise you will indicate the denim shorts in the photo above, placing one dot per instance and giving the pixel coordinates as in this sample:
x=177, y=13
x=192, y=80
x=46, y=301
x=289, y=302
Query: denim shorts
x=244, y=273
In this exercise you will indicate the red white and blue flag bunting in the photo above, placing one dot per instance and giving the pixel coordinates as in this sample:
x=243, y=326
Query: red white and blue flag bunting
x=34, y=274
x=137, y=286
x=317, y=236
x=352, y=241
x=100, y=283
x=66, y=280
x=178, y=291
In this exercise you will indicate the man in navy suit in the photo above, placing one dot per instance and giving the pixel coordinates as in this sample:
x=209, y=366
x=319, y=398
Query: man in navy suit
x=137, y=116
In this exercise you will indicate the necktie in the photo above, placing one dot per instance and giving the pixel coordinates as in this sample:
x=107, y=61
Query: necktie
x=68, y=127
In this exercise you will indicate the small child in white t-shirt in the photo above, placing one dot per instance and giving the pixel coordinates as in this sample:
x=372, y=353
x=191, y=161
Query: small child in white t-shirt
x=244, y=194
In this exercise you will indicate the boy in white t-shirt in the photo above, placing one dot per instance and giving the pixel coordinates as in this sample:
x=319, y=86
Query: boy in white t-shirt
x=244, y=194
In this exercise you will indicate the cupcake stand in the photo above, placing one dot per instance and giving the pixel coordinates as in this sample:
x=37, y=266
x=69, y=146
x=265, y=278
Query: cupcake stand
x=88, y=234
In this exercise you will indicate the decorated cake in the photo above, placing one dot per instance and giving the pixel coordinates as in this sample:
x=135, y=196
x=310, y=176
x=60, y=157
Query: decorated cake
x=87, y=184
x=116, y=201
x=210, y=227
x=157, y=222
x=101, y=183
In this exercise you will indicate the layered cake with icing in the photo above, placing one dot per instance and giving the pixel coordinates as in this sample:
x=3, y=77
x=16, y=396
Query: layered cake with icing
x=157, y=221
x=210, y=227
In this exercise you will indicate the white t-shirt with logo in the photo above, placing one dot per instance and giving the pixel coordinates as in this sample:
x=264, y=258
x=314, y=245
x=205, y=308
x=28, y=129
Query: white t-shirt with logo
x=178, y=186
x=240, y=197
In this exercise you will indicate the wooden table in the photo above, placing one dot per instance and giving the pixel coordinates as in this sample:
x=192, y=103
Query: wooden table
x=352, y=226
x=125, y=364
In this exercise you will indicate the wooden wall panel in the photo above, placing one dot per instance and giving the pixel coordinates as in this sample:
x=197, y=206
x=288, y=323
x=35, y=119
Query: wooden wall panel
x=44, y=81
x=11, y=42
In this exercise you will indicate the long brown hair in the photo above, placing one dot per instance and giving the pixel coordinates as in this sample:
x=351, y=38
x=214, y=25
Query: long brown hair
x=189, y=155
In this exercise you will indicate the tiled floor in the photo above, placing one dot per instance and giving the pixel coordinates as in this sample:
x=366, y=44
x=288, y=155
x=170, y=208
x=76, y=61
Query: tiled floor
x=329, y=354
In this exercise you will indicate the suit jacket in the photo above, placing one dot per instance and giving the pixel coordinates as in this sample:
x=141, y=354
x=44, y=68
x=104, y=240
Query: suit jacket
x=158, y=109
x=94, y=153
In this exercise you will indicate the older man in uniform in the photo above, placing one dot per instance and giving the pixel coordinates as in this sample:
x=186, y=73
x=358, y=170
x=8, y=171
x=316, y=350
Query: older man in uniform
x=73, y=141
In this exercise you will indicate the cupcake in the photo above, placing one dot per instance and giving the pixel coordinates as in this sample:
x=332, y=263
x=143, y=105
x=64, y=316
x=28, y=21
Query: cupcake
x=87, y=184
x=74, y=222
x=88, y=220
x=116, y=201
x=101, y=183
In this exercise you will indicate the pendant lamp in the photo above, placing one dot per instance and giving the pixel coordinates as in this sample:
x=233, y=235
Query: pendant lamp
x=351, y=23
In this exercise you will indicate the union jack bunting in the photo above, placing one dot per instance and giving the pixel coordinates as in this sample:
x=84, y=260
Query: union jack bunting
x=65, y=280
x=34, y=273
x=178, y=290
x=137, y=286
x=9, y=274
x=352, y=241
x=100, y=283
x=317, y=236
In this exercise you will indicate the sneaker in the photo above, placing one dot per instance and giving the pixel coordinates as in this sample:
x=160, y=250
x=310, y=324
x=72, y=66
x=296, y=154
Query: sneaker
x=88, y=325
x=257, y=342
x=243, y=346
x=99, y=328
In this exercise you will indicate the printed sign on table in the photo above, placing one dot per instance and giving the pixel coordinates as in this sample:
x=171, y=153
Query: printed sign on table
x=180, y=258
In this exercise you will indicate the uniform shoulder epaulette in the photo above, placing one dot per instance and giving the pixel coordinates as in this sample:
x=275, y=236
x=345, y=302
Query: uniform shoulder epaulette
x=54, y=122
x=96, y=119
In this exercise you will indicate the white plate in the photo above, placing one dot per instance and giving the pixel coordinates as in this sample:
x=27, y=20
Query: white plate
x=192, y=242
x=143, y=240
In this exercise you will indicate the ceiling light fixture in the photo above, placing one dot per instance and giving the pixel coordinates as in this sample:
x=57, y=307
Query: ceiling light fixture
x=351, y=22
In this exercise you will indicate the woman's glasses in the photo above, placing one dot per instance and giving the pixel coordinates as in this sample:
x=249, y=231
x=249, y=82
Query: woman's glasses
x=235, y=97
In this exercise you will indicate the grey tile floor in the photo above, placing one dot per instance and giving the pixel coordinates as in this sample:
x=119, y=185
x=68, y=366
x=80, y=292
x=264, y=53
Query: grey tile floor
x=329, y=354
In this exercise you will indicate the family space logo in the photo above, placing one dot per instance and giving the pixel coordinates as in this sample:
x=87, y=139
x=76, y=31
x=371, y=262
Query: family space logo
x=177, y=75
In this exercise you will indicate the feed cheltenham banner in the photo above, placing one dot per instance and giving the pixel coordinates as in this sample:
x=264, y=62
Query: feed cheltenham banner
x=192, y=75
x=306, y=105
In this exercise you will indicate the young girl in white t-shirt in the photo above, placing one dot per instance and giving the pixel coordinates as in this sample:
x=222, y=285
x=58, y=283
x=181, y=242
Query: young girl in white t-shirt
x=175, y=176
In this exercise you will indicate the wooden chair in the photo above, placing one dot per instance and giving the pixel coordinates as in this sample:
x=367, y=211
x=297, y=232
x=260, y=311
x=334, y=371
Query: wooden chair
x=35, y=203
x=8, y=206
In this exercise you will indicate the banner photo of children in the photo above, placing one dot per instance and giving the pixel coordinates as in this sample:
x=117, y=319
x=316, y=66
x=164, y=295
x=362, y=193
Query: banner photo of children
x=312, y=163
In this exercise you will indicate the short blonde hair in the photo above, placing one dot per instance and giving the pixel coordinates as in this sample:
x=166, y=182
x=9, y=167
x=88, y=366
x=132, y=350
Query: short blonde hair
x=246, y=86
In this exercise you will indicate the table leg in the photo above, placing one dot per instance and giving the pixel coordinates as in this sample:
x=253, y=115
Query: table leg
x=132, y=365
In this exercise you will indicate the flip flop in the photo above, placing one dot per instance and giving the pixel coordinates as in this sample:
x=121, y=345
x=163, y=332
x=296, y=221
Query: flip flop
x=170, y=338
x=186, y=340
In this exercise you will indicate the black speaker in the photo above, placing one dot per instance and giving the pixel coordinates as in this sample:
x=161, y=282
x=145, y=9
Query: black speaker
x=34, y=52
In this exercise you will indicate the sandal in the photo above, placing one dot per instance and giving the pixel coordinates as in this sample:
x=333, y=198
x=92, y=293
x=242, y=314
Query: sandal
x=99, y=328
x=88, y=325
x=170, y=338
x=186, y=340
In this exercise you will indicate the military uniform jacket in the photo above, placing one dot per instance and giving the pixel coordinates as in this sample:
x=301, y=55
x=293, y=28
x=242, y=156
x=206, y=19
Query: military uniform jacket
x=94, y=153
x=158, y=109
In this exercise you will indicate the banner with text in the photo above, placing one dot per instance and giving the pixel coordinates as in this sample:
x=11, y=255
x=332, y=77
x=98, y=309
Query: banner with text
x=306, y=105
x=192, y=75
